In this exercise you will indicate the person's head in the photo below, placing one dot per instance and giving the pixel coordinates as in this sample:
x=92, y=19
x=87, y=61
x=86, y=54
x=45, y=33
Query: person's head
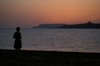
x=18, y=29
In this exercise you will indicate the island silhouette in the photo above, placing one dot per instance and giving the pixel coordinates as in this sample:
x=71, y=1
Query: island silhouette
x=83, y=25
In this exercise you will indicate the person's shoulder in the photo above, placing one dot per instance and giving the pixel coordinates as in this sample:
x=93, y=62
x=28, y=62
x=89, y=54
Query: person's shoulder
x=16, y=33
x=19, y=33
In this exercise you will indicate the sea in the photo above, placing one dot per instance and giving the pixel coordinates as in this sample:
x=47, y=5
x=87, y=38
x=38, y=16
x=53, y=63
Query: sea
x=65, y=40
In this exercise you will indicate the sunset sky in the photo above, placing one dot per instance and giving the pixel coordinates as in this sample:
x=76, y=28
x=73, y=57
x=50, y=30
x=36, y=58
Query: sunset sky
x=29, y=13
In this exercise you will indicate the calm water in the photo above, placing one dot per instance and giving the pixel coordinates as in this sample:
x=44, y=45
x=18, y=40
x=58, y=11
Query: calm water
x=74, y=40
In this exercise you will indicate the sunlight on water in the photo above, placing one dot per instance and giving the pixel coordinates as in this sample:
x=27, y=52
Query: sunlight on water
x=74, y=40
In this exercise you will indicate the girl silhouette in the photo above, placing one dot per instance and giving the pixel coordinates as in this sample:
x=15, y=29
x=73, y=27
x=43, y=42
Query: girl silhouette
x=17, y=37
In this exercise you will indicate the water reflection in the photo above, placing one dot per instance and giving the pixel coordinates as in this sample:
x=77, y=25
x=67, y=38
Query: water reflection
x=81, y=40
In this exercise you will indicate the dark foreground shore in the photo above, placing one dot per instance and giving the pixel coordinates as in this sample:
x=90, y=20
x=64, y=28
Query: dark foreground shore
x=48, y=58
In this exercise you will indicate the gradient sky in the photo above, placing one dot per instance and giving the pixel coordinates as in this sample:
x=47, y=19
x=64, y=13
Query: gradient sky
x=29, y=13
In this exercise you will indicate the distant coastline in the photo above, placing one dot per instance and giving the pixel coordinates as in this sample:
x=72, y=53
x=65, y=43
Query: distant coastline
x=49, y=25
x=88, y=25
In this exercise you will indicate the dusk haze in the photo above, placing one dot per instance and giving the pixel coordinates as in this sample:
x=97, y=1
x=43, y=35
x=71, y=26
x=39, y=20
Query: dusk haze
x=49, y=32
x=29, y=13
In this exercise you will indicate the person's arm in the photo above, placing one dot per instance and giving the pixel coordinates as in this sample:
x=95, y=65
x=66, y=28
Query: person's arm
x=14, y=36
x=20, y=36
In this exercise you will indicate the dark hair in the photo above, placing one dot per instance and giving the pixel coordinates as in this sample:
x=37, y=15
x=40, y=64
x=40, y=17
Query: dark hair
x=18, y=28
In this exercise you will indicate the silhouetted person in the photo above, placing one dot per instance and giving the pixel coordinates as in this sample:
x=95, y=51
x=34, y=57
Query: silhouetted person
x=17, y=37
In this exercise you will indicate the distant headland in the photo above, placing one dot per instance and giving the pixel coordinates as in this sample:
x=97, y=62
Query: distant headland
x=49, y=26
x=83, y=25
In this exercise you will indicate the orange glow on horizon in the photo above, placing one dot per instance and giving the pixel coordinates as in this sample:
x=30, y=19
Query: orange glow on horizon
x=35, y=12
